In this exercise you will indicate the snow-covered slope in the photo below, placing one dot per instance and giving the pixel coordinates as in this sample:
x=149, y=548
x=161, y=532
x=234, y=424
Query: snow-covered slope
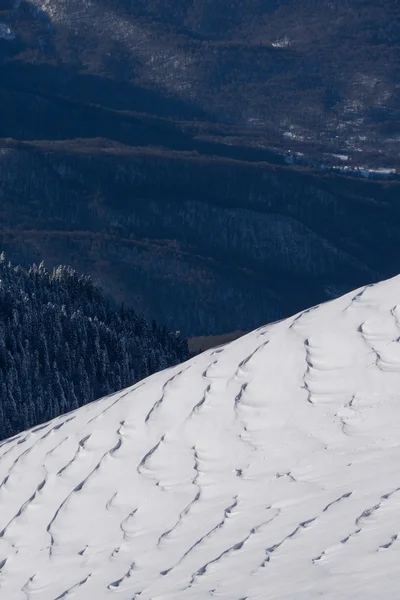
x=266, y=469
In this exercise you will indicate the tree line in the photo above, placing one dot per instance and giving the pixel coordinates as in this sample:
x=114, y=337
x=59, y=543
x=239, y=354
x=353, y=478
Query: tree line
x=63, y=344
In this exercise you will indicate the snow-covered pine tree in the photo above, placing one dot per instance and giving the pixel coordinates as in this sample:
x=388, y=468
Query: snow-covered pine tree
x=62, y=344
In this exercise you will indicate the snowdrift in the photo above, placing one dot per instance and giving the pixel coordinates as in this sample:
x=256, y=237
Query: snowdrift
x=267, y=469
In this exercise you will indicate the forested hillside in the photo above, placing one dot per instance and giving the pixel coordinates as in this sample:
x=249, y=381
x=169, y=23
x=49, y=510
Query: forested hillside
x=206, y=245
x=320, y=74
x=62, y=345
x=189, y=154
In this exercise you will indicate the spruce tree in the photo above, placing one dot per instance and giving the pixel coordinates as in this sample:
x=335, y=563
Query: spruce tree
x=62, y=344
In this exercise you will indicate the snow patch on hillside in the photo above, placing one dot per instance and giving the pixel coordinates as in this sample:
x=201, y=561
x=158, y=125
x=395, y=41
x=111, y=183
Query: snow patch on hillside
x=5, y=32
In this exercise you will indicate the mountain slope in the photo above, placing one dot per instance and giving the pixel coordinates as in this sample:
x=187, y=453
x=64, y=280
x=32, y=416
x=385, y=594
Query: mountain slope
x=265, y=469
x=178, y=236
x=316, y=73
x=174, y=150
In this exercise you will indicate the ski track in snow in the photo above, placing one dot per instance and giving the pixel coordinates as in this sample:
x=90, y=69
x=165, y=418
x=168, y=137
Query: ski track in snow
x=267, y=469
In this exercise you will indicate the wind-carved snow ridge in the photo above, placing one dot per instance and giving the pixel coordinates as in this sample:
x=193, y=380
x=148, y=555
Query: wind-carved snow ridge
x=264, y=470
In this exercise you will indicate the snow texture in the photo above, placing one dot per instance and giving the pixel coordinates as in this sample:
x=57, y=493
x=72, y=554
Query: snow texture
x=265, y=469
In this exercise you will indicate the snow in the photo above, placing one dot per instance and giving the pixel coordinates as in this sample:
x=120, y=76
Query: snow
x=281, y=43
x=343, y=157
x=267, y=469
x=380, y=173
x=5, y=32
x=289, y=135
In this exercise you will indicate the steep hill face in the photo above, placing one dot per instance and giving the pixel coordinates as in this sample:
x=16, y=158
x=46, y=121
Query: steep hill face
x=148, y=144
x=182, y=236
x=318, y=72
x=264, y=469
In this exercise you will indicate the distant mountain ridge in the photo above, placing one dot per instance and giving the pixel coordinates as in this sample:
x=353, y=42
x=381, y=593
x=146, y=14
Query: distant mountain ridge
x=180, y=236
x=320, y=73
x=184, y=154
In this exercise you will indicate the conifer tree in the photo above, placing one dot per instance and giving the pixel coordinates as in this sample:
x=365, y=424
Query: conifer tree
x=62, y=344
